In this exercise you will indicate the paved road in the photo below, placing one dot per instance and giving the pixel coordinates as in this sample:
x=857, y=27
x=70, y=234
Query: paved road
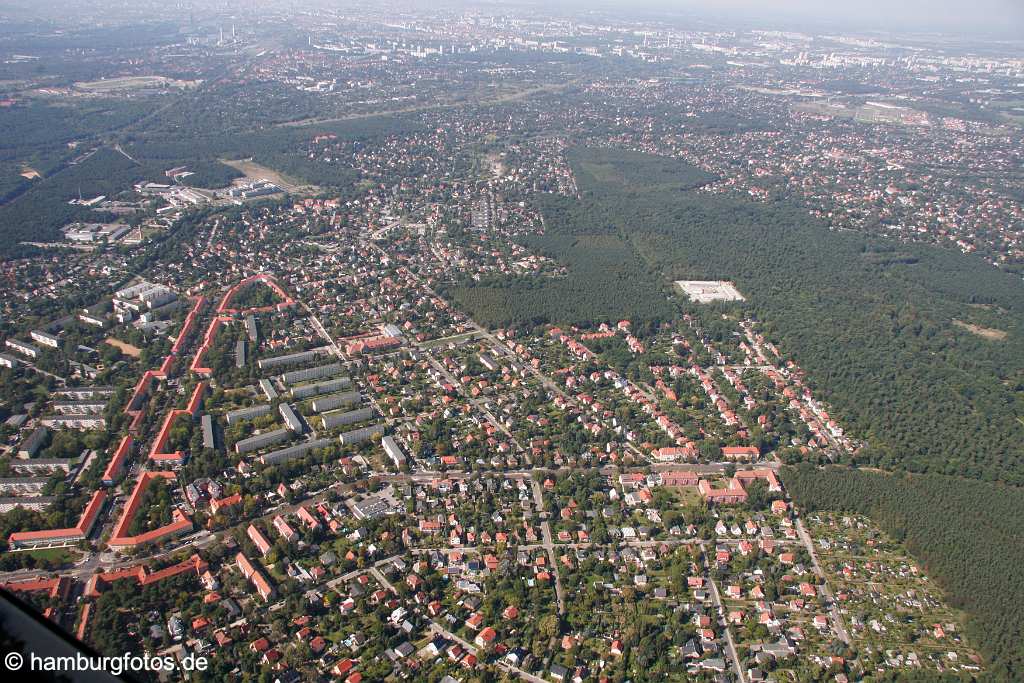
x=345, y=578
x=549, y=546
x=322, y=331
x=837, y=619
x=538, y=494
x=717, y=601
x=373, y=569
x=475, y=402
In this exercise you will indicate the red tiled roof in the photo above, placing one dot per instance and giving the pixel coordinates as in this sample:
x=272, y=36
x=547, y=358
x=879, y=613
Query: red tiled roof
x=116, y=465
x=180, y=521
x=80, y=531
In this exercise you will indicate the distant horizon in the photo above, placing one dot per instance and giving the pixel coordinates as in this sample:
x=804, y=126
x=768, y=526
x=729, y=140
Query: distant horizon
x=999, y=19
x=948, y=17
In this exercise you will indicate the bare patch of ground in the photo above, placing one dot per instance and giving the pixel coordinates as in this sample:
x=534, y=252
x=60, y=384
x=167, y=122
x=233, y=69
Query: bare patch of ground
x=256, y=171
x=125, y=347
x=984, y=332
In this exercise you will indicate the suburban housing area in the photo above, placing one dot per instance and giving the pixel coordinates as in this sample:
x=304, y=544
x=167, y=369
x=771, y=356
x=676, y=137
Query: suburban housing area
x=391, y=343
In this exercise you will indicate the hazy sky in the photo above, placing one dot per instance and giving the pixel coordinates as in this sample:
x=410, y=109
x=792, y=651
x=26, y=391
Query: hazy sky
x=1002, y=16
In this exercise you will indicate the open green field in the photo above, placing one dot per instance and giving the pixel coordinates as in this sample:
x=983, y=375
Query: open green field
x=60, y=556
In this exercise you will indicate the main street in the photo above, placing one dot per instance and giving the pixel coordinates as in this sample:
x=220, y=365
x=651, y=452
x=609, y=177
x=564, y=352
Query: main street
x=108, y=561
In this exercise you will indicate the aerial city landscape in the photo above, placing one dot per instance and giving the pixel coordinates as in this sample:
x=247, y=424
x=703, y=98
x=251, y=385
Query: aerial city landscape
x=506, y=341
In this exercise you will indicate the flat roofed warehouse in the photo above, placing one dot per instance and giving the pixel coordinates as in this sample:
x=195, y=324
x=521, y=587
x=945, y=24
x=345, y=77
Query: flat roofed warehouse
x=23, y=485
x=23, y=348
x=42, y=465
x=40, y=503
x=707, y=291
x=240, y=354
x=132, y=291
x=291, y=419
x=360, y=435
x=16, y=421
x=370, y=508
x=46, y=338
x=296, y=451
x=33, y=442
x=287, y=359
x=251, y=329
x=82, y=393
x=74, y=421
x=79, y=407
x=208, y=436
x=393, y=450
x=268, y=389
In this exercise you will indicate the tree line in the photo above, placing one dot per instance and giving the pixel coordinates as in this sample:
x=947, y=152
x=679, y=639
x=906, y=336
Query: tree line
x=969, y=535
x=877, y=325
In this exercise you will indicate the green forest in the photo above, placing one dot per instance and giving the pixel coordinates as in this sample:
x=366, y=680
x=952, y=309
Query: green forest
x=969, y=535
x=606, y=279
x=879, y=326
x=40, y=136
x=36, y=210
x=283, y=148
x=41, y=211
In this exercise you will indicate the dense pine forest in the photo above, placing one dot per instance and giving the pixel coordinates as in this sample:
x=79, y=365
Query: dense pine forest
x=43, y=209
x=969, y=535
x=36, y=210
x=892, y=335
x=605, y=281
